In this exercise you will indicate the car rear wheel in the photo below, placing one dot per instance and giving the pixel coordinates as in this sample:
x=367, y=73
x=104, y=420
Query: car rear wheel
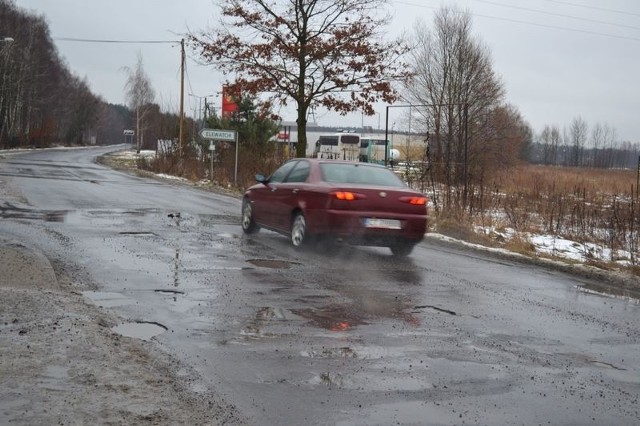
x=402, y=248
x=248, y=224
x=298, y=230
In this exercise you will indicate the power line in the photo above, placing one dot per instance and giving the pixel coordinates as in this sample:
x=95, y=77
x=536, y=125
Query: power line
x=602, y=9
x=595, y=21
x=88, y=40
x=517, y=21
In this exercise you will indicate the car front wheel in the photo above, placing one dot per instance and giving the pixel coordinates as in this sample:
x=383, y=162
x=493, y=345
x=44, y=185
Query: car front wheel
x=248, y=224
x=298, y=230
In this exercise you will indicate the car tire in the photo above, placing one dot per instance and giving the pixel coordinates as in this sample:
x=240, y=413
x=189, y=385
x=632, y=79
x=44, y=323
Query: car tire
x=402, y=248
x=299, y=235
x=248, y=224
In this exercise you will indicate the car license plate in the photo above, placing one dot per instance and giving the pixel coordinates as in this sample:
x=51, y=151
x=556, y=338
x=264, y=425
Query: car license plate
x=382, y=223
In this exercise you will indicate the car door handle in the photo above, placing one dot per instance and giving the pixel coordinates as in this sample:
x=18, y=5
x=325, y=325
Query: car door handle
x=295, y=191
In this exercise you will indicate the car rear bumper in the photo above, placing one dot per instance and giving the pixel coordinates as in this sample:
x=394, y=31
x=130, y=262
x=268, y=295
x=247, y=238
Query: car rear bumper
x=349, y=225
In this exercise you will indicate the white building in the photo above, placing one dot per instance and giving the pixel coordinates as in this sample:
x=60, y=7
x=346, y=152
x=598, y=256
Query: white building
x=397, y=140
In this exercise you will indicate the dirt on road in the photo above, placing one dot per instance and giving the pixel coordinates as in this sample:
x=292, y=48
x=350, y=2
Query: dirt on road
x=61, y=363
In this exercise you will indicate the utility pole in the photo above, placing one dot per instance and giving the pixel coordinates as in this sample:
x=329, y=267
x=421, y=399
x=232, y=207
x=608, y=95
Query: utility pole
x=180, y=136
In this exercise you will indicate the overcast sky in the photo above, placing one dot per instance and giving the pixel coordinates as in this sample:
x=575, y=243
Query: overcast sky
x=558, y=59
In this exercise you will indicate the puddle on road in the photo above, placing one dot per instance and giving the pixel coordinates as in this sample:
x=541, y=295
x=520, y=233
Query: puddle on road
x=9, y=211
x=169, y=292
x=108, y=217
x=333, y=317
x=343, y=317
x=144, y=330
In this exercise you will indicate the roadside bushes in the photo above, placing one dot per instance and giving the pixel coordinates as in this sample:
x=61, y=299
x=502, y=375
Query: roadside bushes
x=590, y=206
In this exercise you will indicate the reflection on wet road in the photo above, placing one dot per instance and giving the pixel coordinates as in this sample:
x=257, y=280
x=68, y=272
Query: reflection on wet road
x=350, y=337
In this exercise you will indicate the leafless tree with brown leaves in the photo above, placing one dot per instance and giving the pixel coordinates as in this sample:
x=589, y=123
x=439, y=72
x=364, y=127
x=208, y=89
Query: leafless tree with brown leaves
x=316, y=53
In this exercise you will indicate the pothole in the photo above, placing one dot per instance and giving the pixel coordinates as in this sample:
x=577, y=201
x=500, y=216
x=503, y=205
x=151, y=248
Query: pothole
x=138, y=233
x=331, y=380
x=169, y=292
x=271, y=263
x=344, y=352
x=332, y=318
x=144, y=330
x=435, y=308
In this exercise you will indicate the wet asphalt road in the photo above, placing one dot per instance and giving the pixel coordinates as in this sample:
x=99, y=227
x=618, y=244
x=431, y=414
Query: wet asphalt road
x=352, y=337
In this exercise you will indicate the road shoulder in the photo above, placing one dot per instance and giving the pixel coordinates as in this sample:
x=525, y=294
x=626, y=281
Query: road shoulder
x=62, y=363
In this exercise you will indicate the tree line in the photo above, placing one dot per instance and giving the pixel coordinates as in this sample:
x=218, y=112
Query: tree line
x=582, y=146
x=42, y=103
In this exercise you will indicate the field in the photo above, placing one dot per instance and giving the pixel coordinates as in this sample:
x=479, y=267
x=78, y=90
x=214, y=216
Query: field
x=585, y=215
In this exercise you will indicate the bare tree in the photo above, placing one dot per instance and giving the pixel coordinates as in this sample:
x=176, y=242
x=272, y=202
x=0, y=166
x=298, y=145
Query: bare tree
x=550, y=140
x=597, y=142
x=578, y=139
x=556, y=141
x=41, y=101
x=140, y=96
x=328, y=53
x=610, y=141
x=457, y=89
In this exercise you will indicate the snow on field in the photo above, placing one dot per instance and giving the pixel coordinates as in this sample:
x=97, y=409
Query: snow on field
x=580, y=252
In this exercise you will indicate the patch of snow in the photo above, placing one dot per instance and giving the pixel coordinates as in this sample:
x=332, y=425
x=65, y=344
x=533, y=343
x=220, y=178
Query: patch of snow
x=171, y=177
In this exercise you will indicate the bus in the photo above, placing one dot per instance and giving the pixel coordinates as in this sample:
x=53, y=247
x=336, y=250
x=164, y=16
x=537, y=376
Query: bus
x=338, y=146
x=373, y=150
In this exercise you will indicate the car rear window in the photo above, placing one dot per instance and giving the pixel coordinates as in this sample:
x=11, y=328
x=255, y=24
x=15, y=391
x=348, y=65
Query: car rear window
x=358, y=173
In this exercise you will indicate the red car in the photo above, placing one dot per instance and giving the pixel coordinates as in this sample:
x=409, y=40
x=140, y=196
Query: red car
x=359, y=203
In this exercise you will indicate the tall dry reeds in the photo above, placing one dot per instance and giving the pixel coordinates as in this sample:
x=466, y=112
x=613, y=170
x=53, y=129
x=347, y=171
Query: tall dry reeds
x=585, y=205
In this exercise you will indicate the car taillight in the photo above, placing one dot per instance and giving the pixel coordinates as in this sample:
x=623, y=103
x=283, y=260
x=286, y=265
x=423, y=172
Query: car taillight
x=416, y=201
x=347, y=196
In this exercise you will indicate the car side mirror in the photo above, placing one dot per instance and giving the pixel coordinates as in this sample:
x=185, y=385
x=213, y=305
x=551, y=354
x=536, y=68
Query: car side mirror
x=261, y=179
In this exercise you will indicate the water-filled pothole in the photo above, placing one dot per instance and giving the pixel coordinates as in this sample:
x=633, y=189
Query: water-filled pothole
x=169, y=292
x=144, y=330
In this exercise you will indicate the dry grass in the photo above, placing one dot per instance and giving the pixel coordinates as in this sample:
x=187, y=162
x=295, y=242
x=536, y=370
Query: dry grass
x=585, y=205
x=540, y=180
